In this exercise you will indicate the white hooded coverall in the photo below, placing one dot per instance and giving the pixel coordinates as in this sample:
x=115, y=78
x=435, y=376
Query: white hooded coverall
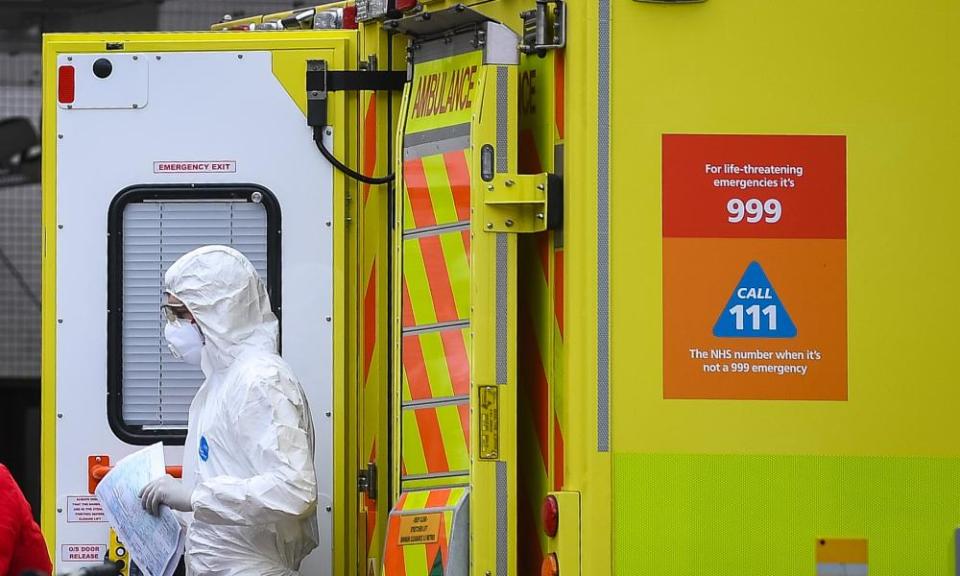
x=248, y=455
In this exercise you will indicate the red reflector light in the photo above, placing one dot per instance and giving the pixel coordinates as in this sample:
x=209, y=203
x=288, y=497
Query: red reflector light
x=350, y=17
x=550, y=566
x=551, y=515
x=66, y=84
x=406, y=4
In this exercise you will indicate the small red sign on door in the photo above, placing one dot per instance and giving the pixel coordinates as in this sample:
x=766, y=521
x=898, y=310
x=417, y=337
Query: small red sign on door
x=194, y=167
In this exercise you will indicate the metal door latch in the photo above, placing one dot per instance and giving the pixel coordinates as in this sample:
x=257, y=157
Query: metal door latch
x=367, y=481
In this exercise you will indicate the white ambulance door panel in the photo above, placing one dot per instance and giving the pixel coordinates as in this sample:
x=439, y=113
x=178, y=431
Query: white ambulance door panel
x=190, y=119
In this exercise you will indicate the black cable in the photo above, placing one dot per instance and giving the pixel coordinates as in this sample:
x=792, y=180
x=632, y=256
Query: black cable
x=372, y=180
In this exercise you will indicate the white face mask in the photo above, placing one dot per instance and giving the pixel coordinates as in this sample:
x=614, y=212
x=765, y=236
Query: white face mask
x=184, y=340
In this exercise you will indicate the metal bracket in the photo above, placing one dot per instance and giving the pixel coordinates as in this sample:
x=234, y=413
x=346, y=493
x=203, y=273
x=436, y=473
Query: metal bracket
x=542, y=30
x=367, y=481
x=428, y=25
x=321, y=80
x=523, y=203
x=316, y=97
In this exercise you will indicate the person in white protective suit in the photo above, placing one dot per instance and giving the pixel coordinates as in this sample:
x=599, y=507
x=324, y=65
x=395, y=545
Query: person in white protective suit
x=248, y=472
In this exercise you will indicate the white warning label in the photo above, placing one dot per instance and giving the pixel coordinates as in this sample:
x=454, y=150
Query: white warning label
x=194, y=167
x=84, y=509
x=83, y=552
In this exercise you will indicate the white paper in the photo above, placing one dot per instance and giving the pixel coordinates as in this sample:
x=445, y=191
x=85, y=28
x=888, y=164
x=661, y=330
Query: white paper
x=155, y=543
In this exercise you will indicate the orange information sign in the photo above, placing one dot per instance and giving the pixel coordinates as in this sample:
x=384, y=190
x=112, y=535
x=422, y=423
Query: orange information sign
x=841, y=551
x=420, y=528
x=754, y=267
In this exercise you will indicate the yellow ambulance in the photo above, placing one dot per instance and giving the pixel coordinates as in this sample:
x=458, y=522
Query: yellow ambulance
x=578, y=287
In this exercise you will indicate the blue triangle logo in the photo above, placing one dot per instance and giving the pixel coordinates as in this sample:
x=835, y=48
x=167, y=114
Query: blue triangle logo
x=754, y=310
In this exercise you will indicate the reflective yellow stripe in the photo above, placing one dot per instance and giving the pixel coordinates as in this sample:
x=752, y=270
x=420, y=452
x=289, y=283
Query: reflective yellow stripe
x=454, y=441
x=413, y=457
x=436, y=365
x=455, y=495
x=431, y=361
x=415, y=559
x=458, y=269
x=441, y=195
x=416, y=500
x=408, y=222
x=415, y=275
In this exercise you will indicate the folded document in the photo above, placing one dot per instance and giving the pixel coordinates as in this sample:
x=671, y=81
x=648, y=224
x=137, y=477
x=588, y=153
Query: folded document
x=155, y=543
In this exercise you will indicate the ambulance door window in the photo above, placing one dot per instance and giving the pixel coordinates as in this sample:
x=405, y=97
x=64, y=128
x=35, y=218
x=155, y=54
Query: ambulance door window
x=149, y=391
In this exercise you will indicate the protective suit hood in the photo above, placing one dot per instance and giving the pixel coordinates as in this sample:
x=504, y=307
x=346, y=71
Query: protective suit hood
x=222, y=290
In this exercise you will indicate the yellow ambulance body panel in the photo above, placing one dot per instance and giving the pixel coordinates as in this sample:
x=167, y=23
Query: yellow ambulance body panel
x=736, y=485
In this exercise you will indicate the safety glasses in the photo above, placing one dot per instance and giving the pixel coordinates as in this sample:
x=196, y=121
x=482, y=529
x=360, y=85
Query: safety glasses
x=174, y=312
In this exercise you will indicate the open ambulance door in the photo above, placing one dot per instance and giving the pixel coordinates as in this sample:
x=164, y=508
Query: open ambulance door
x=158, y=144
x=462, y=205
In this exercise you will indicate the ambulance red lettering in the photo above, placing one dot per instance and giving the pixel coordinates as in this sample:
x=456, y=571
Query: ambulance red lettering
x=431, y=100
x=456, y=89
x=438, y=100
x=420, y=98
x=444, y=92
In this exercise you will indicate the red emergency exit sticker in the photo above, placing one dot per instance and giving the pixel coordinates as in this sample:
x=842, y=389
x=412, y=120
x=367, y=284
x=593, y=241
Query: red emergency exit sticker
x=754, y=267
x=92, y=553
x=194, y=167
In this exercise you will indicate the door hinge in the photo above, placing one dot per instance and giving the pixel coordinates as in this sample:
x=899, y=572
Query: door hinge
x=544, y=29
x=367, y=481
